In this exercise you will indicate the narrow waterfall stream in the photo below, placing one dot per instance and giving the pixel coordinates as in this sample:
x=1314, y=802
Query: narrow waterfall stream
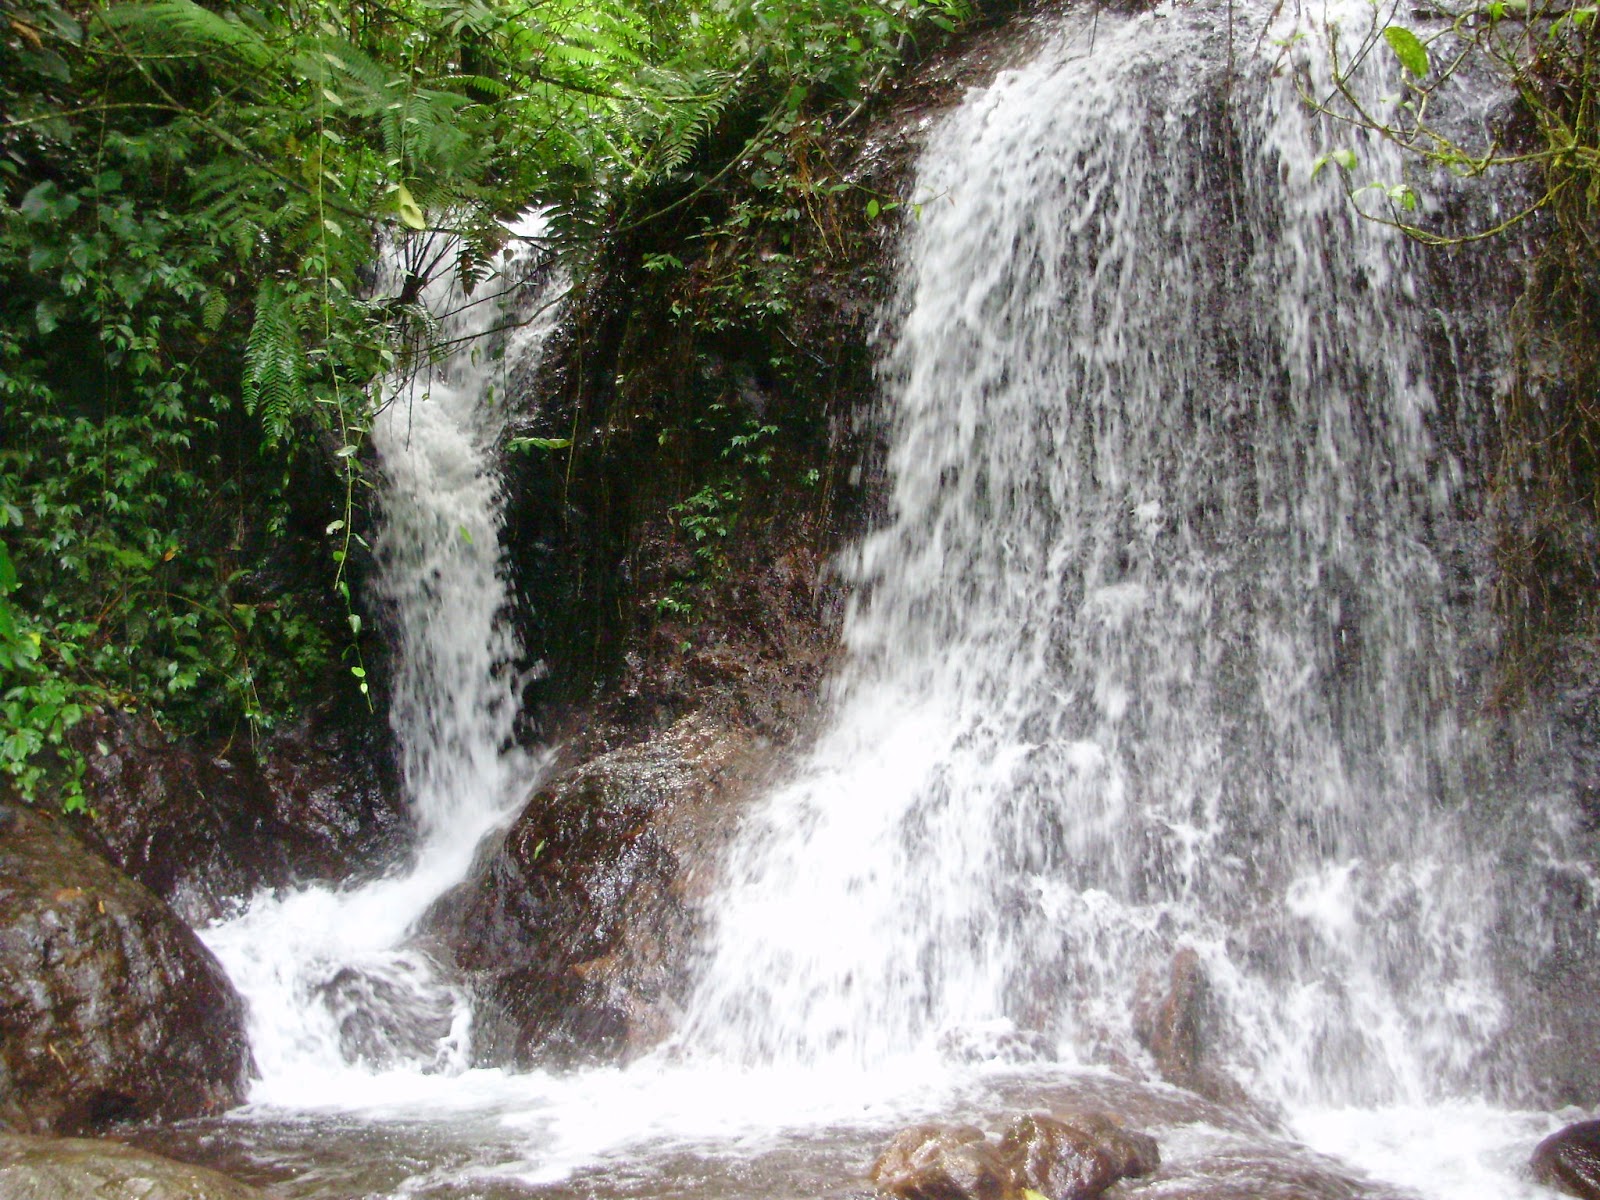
x=335, y=994
x=1163, y=656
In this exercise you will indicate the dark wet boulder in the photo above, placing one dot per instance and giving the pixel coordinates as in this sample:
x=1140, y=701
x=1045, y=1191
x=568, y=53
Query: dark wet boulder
x=943, y=1162
x=110, y=1007
x=1076, y=1157
x=204, y=828
x=1570, y=1160
x=574, y=931
x=33, y=1168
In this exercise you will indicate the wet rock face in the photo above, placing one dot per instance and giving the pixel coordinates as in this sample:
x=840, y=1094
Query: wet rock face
x=574, y=931
x=1569, y=1161
x=110, y=1007
x=1069, y=1158
x=82, y=1169
x=1175, y=1026
x=204, y=831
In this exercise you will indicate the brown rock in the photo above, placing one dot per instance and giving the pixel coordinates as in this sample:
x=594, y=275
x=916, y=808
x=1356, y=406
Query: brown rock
x=1077, y=1157
x=575, y=931
x=942, y=1162
x=1176, y=1028
x=1570, y=1160
x=84, y=1169
x=110, y=1007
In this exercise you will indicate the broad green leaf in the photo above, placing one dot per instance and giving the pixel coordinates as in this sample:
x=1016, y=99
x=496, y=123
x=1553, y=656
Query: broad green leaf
x=538, y=443
x=40, y=202
x=1408, y=48
x=410, y=212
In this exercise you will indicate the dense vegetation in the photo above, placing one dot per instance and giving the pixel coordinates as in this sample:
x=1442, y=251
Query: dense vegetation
x=193, y=338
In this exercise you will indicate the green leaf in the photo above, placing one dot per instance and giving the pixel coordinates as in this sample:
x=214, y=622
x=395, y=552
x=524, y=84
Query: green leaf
x=537, y=443
x=1408, y=48
x=40, y=202
x=1402, y=195
x=411, y=213
x=1343, y=158
x=46, y=316
x=873, y=208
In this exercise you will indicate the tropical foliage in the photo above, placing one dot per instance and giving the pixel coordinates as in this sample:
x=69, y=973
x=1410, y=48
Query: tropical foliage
x=192, y=326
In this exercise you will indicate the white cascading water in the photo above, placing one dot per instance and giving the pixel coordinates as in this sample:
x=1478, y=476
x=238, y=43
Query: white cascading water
x=333, y=991
x=1158, y=649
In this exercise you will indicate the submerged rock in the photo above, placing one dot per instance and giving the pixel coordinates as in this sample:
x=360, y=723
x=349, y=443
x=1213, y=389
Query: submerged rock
x=33, y=1168
x=1077, y=1157
x=110, y=1008
x=1570, y=1160
x=943, y=1162
x=574, y=931
x=203, y=830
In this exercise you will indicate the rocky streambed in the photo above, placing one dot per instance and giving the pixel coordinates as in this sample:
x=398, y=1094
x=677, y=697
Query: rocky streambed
x=117, y=1022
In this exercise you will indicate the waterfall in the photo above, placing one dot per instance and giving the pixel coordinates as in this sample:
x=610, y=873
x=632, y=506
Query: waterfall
x=335, y=993
x=1163, y=646
x=1165, y=658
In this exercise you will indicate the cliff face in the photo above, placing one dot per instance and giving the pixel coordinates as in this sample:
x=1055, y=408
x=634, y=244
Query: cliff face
x=716, y=379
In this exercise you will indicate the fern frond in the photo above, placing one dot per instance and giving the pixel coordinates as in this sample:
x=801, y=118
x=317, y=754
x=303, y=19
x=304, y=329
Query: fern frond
x=493, y=89
x=274, y=365
x=183, y=27
x=355, y=70
x=691, y=117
